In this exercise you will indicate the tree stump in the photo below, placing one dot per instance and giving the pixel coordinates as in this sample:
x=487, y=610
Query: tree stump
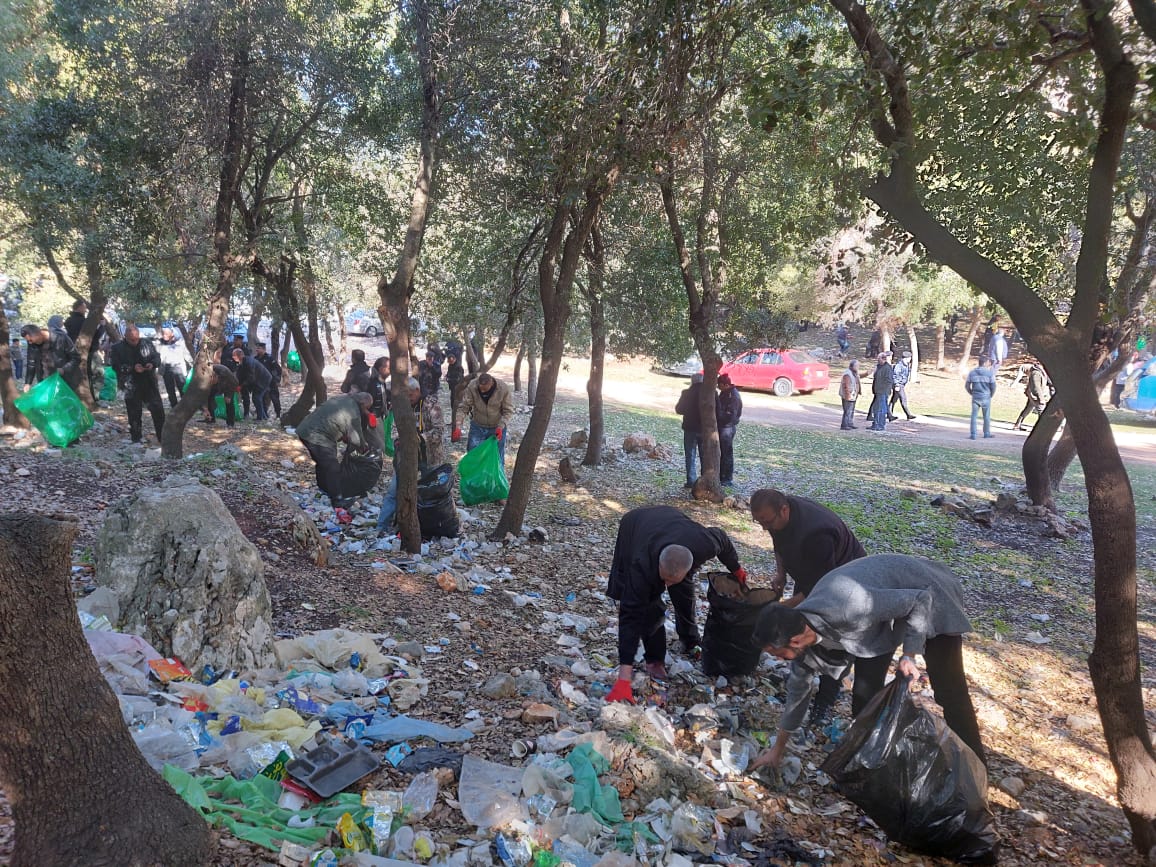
x=81, y=792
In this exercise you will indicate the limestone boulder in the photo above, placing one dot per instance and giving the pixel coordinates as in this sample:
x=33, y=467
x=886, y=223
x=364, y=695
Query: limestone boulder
x=186, y=578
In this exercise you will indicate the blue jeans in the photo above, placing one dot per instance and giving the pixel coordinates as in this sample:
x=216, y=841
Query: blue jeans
x=479, y=434
x=691, y=445
x=388, y=504
x=976, y=406
x=258, y=396
x=726, y=463
x=879, y=412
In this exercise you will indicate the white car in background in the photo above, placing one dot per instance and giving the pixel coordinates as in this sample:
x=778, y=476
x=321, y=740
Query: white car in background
x=365, y=322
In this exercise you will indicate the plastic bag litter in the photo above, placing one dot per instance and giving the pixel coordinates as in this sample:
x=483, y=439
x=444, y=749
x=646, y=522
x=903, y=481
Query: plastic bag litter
x=483, y=478
x=108, y=388
x=283, y=724
x=726, y=637
x=916, y=779
x=293, y=361
x=404, y=728
x=332, y=649
x=421, y=795
x=249, y=809
x=162, y=745
x=407, y=691
x=692, y=828
x=589, y=795
x=488, y=793
x=437, y=514
x=55, y=411
x=123, y=660
x=543, y=780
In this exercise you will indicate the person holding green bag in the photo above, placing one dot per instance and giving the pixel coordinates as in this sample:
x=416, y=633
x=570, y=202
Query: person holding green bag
x=489, y=405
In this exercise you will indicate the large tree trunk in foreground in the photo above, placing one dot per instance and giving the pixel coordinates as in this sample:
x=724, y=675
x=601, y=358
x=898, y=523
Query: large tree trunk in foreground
x=597, y=272
x=9, y=388
x=395, y=293
x=81, y=792
x=1035, y=455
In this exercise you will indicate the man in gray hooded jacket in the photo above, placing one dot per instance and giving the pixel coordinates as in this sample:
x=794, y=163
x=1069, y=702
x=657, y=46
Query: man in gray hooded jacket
x=866, y=609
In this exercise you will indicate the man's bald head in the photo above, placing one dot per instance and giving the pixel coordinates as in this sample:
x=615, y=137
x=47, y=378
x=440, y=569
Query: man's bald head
x=674, y=562
x=131, y=335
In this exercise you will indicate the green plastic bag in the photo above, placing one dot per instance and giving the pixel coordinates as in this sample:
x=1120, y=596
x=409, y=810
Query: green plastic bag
x=293, y=360
x=482, y=475
x=387, y=433
x=108, y=390
x=55, y=411
x=590, y=796
x=249, y=808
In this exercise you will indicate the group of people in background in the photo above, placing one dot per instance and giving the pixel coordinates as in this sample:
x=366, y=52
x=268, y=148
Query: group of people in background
x=888, y=388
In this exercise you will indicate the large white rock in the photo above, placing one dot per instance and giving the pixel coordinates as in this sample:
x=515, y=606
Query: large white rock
x=186, y=577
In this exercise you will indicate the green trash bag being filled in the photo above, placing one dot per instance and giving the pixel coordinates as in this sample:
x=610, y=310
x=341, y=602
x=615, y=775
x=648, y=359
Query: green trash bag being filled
x=108, y=390
x=483, y=478
x=55, y=411
x=293, y=360
x=387, y=433
x=219, y=401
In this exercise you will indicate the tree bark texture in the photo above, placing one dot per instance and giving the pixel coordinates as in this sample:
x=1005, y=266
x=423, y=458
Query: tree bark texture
x=518, y=366
x=940, y=346
x=343, y=344
x=81, y=792
x=969, y=340
x=196, y=395
x=9, y=388
x=595, y=289
x=395, y=293
x=570, y=227
x=1035, y=455
x=1063, y=348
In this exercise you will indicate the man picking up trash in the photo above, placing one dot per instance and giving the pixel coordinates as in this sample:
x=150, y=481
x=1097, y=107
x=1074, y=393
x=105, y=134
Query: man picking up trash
x=341, y=419
x=810, y=540
x=659, y=548
x=866, y=609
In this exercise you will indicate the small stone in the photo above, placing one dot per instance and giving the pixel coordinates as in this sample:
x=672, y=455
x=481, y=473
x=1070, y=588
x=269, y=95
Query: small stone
x=411, y=650
x=986, y=517
x=909, y=494
x=1014, y=786
x=1005, y=502
x=538, y=536
x=539, y=713
x=1033, y=817
x=1078, y=723
x=23, y=472
x=638, y=442
x=578, y=439
x=500, y=686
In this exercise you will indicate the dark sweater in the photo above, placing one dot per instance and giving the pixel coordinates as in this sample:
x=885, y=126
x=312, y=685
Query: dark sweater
x=813, y=543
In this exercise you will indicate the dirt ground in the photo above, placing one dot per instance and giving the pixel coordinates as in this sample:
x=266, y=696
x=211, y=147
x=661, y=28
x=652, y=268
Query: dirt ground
x=1035, y=702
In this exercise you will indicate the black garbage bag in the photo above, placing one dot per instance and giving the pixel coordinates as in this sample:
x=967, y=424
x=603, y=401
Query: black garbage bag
x=913, y=775
x=359, y=473
x=437, y=513
x=726, y=638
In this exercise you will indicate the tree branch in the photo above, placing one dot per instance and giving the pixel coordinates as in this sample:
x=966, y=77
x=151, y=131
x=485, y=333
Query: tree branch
x=1145, y=12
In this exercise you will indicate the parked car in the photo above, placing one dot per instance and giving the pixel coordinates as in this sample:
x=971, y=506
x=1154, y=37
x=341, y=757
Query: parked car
x=365, y=322
x=689, y=367
x=782, y=371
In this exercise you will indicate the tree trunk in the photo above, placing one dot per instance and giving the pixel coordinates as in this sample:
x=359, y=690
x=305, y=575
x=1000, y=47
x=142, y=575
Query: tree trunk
x=9, y=387
x=570, y=226
x=328, y=329
x=969, y=341
x=1035, y=455
x=594, y=293
x=914, y=353
x=532, y=371
x=81, y=792
x=940, y=346
x=313, y=389
x=395, y=293
x=343, y=344
x=260, y=303
x=1060, y=458
x=196, y=395
x=518, y=366
x=275, y=339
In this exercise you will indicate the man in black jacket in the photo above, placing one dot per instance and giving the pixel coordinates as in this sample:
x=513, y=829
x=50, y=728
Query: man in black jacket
x=728, y=411
x=50, y=351
x=136, y=362
x=254, y=379
x=688, y=407
x=810, y=540
x=223, y=384
x=274, y=367
x=379, y=387
x=357, y=377
x=659, y=549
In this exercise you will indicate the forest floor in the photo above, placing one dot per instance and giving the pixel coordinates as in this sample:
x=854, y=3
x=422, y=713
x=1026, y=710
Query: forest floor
x=1029, y=594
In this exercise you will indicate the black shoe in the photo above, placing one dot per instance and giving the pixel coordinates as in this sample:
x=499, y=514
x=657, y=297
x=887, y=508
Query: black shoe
x=893, y=418
x=687, y=485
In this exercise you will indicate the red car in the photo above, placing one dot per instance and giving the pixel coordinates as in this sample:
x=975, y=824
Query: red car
x=782, y=371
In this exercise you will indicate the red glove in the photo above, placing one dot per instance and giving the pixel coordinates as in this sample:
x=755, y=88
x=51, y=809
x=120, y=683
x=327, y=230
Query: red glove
x=741, y=575
x=622, y=692
x=456, y=436
x=372, y=420
x=498, y=432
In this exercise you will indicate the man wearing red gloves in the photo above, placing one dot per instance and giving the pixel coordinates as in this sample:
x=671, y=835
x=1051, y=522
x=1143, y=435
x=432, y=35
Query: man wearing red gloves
x=489, y=405
x=659, y=549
